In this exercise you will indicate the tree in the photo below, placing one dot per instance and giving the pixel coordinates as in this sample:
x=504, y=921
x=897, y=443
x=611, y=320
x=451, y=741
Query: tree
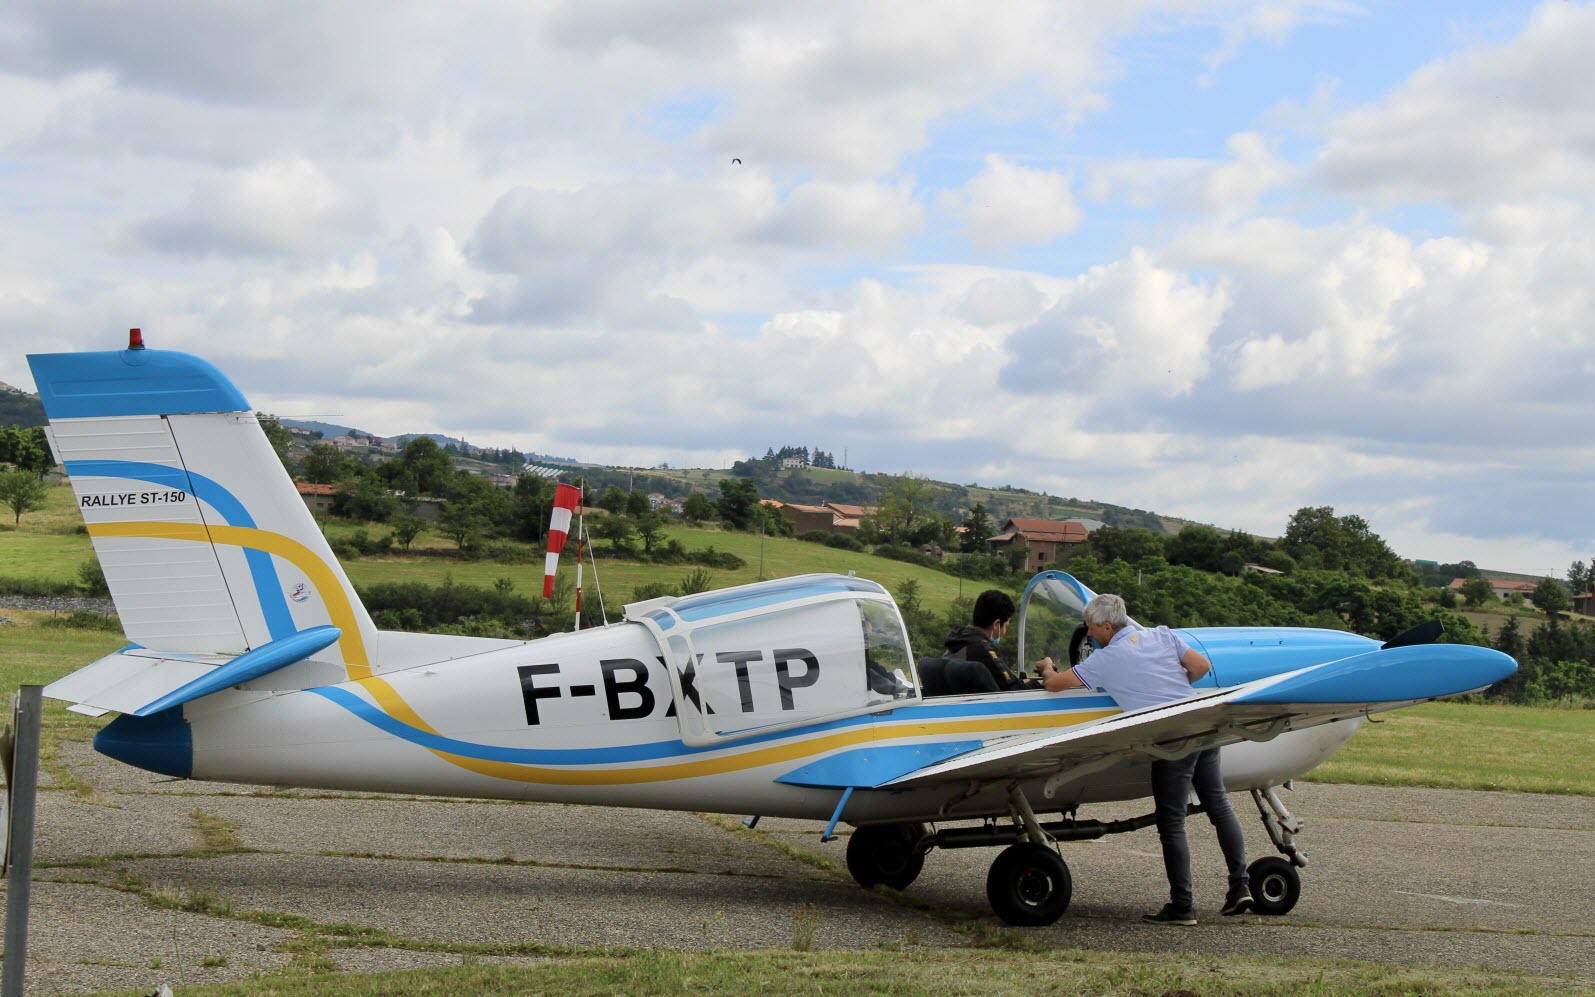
x=1315, y=536
x=613, y=501
x=1477, y=591
x=326, y=465
x=22, y=491
x=279, y=437
x=906, y=513
x=637, y=504
x=977, y=529
x=367, y=497
x=1579, y=577
x=697, y=508
x=462, y=523
x=406, y=528
x=650, y=526
x=423, y=469
x=1550, y=597
x=617, y=529
x=739, y=503
x=27, y=448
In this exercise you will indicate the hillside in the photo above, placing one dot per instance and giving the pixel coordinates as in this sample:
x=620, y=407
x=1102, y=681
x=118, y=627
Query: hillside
x=19, y=408
x=813, y=486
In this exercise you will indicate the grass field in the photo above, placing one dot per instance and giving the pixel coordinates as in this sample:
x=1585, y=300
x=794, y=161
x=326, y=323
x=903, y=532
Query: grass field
x=1472, y=746
x=1025, y=968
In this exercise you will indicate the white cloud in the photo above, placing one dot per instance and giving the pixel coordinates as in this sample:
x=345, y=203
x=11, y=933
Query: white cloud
x=1130, y=328
x=279, y=208
x=1007, y=205
x=1272, y=23
x=1489, y=123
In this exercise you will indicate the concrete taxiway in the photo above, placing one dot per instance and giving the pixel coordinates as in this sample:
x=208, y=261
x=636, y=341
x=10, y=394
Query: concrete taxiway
x=142, y=880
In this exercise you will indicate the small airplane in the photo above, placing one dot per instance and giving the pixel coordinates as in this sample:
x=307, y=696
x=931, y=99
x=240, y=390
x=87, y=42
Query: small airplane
x=253, y=661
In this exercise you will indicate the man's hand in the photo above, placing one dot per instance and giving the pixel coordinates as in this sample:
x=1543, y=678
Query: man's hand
x=1054, y=680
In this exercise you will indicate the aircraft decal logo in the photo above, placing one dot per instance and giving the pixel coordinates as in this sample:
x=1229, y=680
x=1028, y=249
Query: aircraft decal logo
x=300, y=593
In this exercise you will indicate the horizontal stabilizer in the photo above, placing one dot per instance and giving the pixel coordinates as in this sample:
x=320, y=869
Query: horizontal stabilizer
x=139, y=681
x=249, y=665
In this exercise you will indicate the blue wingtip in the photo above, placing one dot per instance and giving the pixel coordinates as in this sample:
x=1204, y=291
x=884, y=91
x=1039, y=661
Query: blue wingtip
x=1397, y=675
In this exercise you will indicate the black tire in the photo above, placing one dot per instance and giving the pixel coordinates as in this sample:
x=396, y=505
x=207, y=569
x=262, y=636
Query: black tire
x=887, y=854
x=1029, y=885
x=1276, y=885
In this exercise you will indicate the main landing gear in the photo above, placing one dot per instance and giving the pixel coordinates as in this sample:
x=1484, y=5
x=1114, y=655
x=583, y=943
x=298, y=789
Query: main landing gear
x=1029, y=883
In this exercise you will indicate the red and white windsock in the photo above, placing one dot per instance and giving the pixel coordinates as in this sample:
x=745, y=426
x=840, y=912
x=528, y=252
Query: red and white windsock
x=565, y=498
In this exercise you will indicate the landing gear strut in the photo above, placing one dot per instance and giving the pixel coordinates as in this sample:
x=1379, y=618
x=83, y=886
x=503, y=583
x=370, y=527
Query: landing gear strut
x=1276, y=885
x=1029, y=884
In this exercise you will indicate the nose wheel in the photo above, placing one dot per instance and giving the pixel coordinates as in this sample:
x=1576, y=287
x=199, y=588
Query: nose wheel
x=1276, y=885
x=1275, y=881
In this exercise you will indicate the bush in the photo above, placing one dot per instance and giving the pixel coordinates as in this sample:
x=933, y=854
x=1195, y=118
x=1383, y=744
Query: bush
x=37, y=587
x=897, y=552
x=91, y=578
x=841, y=541
x=84, y=619
x=446, y=608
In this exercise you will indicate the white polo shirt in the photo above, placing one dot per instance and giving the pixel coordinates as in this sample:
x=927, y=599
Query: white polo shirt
x=1140, y=667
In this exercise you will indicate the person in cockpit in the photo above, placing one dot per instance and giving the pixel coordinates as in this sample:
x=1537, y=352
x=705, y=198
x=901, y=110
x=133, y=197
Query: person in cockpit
x=977, y=642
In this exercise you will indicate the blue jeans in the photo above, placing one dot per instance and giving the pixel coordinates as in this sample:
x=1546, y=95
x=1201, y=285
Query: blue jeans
x=1172, y=783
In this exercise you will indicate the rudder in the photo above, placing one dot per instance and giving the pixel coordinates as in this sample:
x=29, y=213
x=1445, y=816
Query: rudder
x=206, y=545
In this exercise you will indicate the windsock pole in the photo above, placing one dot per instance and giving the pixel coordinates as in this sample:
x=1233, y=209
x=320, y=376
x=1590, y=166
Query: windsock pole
x=581, y=535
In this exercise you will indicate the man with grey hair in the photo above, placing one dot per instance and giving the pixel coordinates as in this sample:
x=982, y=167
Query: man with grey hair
x=1143, y=667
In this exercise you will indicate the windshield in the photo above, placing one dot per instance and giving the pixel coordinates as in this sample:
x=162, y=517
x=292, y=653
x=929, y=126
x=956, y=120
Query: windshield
x=1051, y=615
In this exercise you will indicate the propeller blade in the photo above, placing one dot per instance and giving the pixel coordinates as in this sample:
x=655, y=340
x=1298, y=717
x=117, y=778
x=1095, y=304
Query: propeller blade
x=1423, y=633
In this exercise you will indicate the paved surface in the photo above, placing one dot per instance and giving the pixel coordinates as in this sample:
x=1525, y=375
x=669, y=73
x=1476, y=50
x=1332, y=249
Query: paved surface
x=133, y=890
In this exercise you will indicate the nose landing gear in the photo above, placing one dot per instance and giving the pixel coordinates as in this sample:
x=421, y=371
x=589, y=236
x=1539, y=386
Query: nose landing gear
x=1276, y=885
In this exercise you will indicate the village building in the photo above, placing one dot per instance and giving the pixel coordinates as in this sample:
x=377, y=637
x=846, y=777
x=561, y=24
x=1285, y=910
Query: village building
x=1502, y=587
x=1042, y=540
x=317, y=498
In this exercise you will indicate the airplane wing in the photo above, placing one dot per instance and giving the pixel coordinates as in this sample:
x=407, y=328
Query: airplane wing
x=1371, y=682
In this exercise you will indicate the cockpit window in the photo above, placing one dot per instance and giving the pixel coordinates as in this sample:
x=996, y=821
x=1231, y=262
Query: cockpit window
x=888, y=668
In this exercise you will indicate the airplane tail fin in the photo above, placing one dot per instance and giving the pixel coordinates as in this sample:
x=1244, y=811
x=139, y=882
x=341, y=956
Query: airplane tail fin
x=206, y=544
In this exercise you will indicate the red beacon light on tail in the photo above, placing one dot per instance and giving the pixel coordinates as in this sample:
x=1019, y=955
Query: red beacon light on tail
x=135, y=339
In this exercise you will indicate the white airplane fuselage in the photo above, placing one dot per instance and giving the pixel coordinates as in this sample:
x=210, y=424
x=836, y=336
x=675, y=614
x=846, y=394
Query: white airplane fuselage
x=590, y=717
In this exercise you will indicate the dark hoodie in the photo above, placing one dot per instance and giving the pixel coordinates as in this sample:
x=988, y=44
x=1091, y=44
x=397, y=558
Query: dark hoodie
x=970, y=644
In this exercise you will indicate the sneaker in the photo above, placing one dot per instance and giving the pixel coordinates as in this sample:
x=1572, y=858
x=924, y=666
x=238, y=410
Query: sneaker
x=1171, y=915
x=1239, y=901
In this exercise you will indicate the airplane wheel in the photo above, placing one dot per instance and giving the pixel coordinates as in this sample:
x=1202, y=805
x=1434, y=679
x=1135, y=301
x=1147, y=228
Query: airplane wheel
x=1029, y=885
x=1276, y=885
x=887, y=854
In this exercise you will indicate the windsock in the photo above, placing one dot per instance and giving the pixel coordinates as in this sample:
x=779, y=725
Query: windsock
x=565, y=497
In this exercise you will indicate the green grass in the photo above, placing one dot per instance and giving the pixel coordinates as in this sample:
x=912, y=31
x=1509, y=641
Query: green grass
x=782, y=557
x=45, y=545
x=904, y=972
x=1471, y=746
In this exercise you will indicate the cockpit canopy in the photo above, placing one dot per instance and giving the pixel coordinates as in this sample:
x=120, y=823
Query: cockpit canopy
x=760, y=658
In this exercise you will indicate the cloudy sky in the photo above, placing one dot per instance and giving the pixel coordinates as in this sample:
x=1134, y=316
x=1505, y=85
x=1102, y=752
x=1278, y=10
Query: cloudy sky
x=1219, y=259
